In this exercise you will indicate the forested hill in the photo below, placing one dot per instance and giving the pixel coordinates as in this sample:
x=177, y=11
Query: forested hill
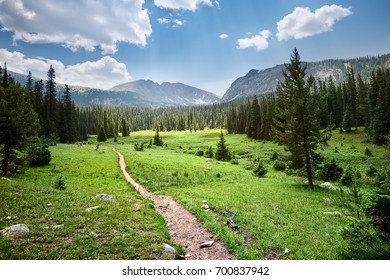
x=262, y=82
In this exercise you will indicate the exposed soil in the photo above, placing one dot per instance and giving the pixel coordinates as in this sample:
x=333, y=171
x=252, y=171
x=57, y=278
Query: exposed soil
x=184, y=227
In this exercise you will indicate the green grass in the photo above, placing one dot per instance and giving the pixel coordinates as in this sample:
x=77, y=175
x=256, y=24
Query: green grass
x=274, y=212
x=125, y=228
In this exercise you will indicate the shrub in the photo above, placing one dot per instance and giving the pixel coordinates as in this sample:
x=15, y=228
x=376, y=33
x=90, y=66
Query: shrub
x=234, y=161
x=260, y=170
x=371, y=171
x=275, y=156
x=199, y=153
x=209, y=152
x=38, y=154
x=139, y=147
x=279, y=165
x=330, y=171
x=59, y=184
x=368, y=152
x=348, y=178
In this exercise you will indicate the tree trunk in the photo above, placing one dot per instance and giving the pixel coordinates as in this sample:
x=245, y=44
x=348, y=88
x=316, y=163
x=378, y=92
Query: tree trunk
x=308, y=164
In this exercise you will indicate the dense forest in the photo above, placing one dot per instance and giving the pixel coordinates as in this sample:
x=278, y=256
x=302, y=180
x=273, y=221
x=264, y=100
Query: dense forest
x=53, y=115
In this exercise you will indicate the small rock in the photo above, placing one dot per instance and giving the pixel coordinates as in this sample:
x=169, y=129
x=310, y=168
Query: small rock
x=208, y=160
x=188, y=255
x=8, y=218
x=329, y=186
x=327, y=200
x=168, y=249
x=93, y=234
x=207, y=244
x=103, y=196
x=92, y=208
x=287, y=251
x=337, y=213
x=49, y=205
x=12, y=231
x=58, y=226
x=4, y=178
x=205, y=206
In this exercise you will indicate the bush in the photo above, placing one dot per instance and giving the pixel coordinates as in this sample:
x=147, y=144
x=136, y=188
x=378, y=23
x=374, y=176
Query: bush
x=368, y=152
x=209, y=152
x=275, y=156
x=260, y=170
x=199, y=153
x=60, y=184
x=371, y=171
x=279, y=165
x=38, y=155
x=234, y=161
x=139, y=147
x=330, y=171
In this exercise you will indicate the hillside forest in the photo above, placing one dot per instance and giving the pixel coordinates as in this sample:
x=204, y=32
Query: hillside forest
x=300, y=114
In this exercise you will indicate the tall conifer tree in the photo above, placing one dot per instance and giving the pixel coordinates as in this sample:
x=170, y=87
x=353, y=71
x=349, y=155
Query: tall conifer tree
x=296, y=116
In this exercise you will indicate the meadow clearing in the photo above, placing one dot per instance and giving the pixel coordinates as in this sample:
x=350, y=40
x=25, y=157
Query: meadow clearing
x=275, y=212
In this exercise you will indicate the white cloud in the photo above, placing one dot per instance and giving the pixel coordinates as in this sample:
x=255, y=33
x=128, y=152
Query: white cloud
x=178, y=23
x=190, y=5
x=258, y=41
x=303, y=23
x=223, y=36
x=163, y=20
x=77, y=24
x=103, y=73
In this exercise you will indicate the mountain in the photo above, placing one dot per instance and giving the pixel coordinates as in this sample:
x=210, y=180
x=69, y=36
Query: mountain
x=169, y=93
x=141, y=93
x=262, y=82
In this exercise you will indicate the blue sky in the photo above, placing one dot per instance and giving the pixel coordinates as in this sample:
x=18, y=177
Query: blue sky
x=202, y=43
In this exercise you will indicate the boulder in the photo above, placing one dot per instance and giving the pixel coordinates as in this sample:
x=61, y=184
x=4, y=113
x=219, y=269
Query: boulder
x=329, y=186
x=168, y=249
x=103, y=196
x=12, y=231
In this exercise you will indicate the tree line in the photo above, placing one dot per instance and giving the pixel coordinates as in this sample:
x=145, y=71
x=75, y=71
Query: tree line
x=346, y=105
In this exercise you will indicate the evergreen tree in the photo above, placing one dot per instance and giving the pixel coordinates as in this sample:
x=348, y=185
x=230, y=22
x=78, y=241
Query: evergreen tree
x=67, y=128
x=125, y=128
x=296, y=117
x=101, y=135
x=18, y=123
x=50, y=114
x=254, y=123
x=222, y=153
x=157, y=141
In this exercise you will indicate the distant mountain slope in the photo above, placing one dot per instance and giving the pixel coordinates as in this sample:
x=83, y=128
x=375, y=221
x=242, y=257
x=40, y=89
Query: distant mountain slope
x=169, y=93
x=261, y=82
x=142, y=93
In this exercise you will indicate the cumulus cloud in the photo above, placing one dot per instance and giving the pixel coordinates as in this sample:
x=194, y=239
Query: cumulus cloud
x=103, y=73
x=258, y=41
x=190, y=5
x=77, y=24
x=303, y=23
x=223, y=36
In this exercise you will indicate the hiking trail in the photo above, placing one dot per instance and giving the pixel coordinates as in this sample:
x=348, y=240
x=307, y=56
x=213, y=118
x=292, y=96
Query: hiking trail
x=184, y=227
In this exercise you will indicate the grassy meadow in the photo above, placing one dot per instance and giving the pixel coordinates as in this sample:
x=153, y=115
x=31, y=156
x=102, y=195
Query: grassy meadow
x=275, y=212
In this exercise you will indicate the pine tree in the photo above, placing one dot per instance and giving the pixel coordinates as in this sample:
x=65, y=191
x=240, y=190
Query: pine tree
x=67, y=128
x=222, y=153
x=18, y=123
x=101, y=135
x=254, y=123
x=125, y=128
x=50, y=106
x=296, y=117
x=157, y=141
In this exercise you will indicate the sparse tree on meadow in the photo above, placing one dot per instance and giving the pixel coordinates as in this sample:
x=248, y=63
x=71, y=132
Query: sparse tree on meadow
x=222, y=152
x=297, y=117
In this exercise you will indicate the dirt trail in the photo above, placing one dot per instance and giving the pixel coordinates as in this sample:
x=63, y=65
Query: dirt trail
x=184, y=227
